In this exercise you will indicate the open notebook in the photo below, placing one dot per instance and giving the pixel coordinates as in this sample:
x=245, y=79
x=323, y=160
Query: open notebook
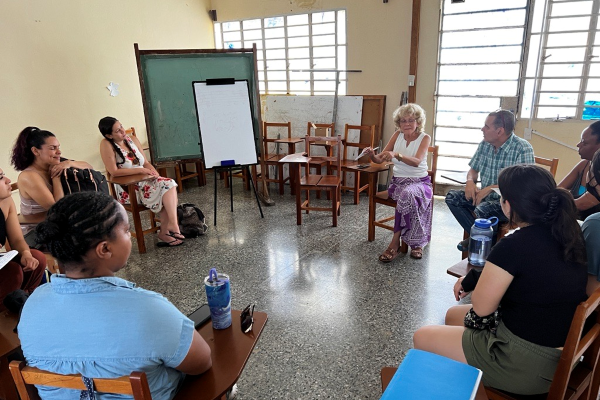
x=6, y=257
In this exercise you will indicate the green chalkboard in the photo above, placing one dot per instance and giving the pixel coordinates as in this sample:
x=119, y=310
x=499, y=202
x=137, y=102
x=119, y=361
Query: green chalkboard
x=166, y=78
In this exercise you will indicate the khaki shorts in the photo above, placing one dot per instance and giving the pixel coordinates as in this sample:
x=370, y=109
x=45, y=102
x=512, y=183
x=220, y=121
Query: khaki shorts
x=510, y=363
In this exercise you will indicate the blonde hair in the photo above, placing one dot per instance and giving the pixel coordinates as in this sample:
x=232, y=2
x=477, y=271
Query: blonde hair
x=407, y=110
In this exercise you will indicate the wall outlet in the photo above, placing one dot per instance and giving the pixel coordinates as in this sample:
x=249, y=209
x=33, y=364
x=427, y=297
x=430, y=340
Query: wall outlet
x=527, y=133
x=411, y=80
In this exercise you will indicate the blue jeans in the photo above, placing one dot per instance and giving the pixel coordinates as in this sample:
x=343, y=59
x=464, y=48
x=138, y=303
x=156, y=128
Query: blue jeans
x=465, y=212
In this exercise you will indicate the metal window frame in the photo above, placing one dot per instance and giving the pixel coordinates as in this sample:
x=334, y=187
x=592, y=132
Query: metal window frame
x=311, y=59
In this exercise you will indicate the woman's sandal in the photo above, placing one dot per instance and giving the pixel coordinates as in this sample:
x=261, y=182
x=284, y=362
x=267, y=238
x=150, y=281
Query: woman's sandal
x=417, y=253
x=389, y=255
x=176, y=235
x=172, y=243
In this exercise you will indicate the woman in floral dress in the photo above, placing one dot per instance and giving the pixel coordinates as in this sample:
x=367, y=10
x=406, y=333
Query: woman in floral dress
x=122, y=156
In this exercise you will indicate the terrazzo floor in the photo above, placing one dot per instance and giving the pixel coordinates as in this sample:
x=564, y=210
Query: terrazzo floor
x=336, y=314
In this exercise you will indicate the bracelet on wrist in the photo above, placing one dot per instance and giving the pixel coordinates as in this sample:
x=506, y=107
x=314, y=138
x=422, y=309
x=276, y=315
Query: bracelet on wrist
x=399, y=157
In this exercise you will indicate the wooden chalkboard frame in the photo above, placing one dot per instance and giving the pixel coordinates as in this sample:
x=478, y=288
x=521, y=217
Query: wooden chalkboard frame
x=255, y=98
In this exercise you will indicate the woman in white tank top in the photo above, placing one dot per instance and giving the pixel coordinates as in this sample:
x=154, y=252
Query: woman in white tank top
x=411, y=186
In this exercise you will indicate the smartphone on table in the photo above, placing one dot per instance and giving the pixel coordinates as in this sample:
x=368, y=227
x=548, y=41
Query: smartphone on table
x=200, y=316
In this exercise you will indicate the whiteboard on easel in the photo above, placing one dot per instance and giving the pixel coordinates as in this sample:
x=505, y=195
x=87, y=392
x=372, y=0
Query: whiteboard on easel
x=225, y=122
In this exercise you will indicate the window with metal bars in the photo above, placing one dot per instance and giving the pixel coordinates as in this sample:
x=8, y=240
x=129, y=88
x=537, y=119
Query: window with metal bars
x=479, y=64
x=289, y=47
x=564, y=55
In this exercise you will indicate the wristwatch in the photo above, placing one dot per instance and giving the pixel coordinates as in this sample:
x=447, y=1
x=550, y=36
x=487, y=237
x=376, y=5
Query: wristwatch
x=399, y=157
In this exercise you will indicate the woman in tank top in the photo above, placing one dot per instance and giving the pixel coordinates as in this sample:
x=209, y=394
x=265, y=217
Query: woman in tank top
x=26, y=270
x=411, y=185
x=37, y=154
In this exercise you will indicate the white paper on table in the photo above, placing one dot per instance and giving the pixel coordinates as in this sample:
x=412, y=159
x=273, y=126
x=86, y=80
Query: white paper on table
x=6, y=257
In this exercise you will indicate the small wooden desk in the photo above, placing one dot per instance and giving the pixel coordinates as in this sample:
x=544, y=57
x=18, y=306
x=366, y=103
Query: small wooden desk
x=295, y=160
x=134, y=207
x=230, y=349
x=461, y=268
x=372, y=171
x=291, y=142
x=9, y=344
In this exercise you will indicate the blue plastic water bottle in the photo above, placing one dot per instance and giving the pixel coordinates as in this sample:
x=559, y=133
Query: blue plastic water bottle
x=480, y=242
x=218, y=294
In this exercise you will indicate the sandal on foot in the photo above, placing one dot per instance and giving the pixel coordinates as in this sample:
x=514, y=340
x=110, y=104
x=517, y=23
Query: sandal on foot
x=417, y=253
x=389, y=255
x=172, y=243
x=176, y=235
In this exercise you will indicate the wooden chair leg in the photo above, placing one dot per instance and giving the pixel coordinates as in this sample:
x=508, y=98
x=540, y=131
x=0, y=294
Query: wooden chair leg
x=403, y=247
x=334, y=201
x=178, y=178
x=295, y=170
x=280, y=177
x=137, y=222
x=201, y=173
x=356, y=187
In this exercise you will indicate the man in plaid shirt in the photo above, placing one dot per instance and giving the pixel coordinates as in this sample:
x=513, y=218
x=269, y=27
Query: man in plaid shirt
x=499, y=149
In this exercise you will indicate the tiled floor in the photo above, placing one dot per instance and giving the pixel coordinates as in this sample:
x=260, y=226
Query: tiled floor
x=336, y=314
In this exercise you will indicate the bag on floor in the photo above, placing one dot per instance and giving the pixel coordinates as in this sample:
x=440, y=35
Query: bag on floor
x=192, y=222
x=83, y=180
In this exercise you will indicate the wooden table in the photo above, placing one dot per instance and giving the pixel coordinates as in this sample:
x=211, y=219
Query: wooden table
x=291, y=142
x=372, y=172
x=9, y=344
x=230, y=349
x=295, y=160
x=461, y=268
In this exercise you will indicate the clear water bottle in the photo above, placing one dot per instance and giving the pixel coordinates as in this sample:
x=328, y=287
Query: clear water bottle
x=480, y=242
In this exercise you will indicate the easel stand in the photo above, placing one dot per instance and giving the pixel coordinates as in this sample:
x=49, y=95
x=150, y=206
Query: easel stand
x=230, y=169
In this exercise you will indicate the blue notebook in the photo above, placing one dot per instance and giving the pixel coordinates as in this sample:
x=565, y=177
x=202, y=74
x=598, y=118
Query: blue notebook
x=423, y=375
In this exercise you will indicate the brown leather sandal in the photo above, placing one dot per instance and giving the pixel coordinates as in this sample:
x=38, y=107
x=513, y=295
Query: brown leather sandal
x=417, y=253
x=389, y=255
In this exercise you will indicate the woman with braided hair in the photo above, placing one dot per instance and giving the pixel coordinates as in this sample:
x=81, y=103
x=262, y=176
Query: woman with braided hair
x=122, y=156
x=531, y=284
x=109, y=327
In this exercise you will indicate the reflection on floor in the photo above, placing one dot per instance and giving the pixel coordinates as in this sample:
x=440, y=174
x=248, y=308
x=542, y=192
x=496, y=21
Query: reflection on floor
x=336, y=314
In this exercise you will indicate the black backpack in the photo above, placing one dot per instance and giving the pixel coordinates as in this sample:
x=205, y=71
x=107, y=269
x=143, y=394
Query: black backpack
x=83, y=180
x=191, y=220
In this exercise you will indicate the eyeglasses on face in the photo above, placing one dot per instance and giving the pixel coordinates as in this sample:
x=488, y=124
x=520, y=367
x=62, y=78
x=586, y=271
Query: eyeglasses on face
x=409, y=121
x=247, y=318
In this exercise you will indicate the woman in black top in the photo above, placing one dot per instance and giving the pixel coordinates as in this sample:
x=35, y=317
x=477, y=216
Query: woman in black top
x=536, y=277
x=25, y=271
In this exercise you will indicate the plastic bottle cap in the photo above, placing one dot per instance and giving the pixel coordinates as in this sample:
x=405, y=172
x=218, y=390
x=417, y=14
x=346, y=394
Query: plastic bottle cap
x=483, y=223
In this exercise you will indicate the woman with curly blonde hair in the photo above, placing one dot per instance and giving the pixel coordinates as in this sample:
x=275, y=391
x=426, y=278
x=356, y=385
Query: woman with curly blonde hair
x=411, y=185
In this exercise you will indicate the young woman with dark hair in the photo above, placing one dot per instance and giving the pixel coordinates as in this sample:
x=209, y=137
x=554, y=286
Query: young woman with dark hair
x=122, y=156
x=37, y=154
x=110, y=327
x=535, y=278
x=27, y=269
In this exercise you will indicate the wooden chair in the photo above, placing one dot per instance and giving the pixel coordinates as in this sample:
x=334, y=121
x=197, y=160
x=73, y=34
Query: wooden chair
x=330, y=183
x=134, y=208
x=51, y=262
x=552, y=164
x=272, y=159
x=383, y=199
x=365, y=140
x=574, y=378
x=25, y=378
x=320, y=130
x=503, y=228
x=180, y=168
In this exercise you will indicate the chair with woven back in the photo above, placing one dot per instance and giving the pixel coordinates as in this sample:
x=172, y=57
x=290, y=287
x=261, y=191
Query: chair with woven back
x=328, y=182
x=366, y=137
x=577, y=375
x=25, y=378
x=383, y=199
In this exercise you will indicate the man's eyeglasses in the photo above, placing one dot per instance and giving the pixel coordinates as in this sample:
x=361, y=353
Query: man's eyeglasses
x=247, y=318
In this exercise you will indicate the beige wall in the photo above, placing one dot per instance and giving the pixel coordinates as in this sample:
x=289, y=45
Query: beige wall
x=58, y=57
